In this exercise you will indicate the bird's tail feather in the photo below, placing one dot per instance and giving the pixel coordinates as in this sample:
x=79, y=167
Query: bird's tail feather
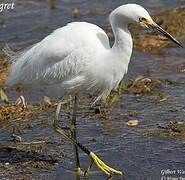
x=12, y=56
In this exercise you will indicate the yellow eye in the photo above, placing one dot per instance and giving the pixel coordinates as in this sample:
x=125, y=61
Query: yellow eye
x=142, y=19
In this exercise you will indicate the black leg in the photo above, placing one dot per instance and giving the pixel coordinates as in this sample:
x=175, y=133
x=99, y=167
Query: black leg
x=73, y=134
x=93, y=157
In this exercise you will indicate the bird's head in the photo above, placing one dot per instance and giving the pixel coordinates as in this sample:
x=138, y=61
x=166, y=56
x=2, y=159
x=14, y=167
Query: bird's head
x=134, y=13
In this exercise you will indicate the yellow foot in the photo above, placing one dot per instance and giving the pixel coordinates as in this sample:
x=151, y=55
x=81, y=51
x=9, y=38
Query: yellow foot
x=79, y=172
x=102, y=166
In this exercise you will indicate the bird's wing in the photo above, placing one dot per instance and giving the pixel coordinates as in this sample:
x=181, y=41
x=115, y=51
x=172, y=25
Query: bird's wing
x=59, y=56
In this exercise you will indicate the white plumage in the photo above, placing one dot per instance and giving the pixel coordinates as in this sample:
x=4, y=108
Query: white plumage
x=78, y=56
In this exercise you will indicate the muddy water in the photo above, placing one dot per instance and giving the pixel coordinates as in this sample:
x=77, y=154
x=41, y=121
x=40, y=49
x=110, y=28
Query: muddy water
x=127, y=148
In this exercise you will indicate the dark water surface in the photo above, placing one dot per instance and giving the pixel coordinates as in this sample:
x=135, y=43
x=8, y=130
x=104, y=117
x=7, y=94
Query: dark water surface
x=123, y=147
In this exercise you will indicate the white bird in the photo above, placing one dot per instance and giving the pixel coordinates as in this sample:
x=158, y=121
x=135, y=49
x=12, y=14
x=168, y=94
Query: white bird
x=78, y=57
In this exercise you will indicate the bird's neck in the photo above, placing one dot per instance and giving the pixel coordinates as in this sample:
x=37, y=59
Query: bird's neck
x=123, y=44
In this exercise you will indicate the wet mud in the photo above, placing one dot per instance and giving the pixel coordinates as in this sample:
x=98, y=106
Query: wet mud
x=140, y=128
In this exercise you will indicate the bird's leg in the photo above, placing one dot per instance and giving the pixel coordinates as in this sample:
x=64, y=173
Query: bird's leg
x=56, y=126
x=61, y=131
x=73, y=134
x=93, y=157
x=56, y=119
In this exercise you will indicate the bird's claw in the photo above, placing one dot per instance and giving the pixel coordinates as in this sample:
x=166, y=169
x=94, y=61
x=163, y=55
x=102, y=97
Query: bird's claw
x=79, y=172
x=102, y=166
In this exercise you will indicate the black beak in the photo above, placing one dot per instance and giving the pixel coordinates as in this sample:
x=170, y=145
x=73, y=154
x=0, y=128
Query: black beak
x=165, y=33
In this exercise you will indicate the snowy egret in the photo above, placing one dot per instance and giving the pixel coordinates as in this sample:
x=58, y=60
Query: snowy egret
x=78, y=57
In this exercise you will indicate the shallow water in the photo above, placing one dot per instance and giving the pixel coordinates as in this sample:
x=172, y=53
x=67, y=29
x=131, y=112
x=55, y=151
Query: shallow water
x=123, y=147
